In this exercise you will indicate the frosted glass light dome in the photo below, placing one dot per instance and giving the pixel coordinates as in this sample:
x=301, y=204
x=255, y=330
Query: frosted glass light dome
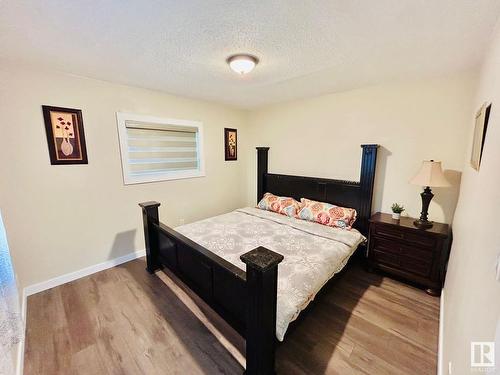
x=242, y=64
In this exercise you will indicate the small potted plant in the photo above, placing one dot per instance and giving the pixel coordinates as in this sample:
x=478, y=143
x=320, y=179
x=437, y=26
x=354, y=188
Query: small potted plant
x=396, y=210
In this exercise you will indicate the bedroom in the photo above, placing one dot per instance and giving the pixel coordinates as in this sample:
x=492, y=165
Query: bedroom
x=418, y=83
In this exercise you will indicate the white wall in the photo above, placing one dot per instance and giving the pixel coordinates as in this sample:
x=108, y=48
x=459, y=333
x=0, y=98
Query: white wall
x=472, y=295
x=412, y=121
x=61, y=219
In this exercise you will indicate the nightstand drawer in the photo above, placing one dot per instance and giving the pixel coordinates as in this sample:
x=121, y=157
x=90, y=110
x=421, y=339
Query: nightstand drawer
x=416, y=267
x=388, y=232
x=402, y=248
x=422, y=240
x=411, y=265
x=384, y=257
x=413, y=252
x=384, y=245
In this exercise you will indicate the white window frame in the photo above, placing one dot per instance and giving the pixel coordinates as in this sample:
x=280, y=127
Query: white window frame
x=128, y=179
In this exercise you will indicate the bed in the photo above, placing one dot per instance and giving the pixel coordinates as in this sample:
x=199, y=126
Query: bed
x=312, y=252
x=258, y=269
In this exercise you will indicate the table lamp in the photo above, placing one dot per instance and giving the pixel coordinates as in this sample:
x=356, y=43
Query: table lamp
x=429, y=175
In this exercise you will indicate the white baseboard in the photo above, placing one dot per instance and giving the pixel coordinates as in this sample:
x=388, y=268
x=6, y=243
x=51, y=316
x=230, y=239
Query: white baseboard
x=63, y=279
x=20, y=357
x=441, y=331
x=20, y=346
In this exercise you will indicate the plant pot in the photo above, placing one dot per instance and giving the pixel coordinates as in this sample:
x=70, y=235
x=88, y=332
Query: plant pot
x=396, y=216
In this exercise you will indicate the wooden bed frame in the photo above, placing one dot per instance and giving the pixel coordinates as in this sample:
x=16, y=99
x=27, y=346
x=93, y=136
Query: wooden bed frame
x=247, y=300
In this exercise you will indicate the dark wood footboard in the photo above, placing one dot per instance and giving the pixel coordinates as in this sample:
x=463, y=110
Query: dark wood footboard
x=246, y=300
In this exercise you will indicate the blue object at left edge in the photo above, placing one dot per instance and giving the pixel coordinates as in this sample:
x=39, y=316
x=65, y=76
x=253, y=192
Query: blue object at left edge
x=11, y=332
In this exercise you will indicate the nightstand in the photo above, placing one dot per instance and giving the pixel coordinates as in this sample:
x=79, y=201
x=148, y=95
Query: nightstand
x=417, y=255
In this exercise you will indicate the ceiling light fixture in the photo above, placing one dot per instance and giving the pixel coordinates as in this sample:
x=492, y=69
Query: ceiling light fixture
x=242, y=63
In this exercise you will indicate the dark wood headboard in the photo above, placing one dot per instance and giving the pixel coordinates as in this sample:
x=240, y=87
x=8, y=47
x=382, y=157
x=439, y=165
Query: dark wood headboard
x=354, y=194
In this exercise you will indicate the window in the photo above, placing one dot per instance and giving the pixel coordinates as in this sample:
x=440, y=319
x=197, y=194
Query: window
x=157, y=149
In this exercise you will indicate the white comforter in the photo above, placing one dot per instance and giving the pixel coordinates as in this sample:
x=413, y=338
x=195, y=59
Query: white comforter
x=313, y=252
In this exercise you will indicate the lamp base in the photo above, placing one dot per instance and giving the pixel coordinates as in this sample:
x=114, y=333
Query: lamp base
x=423, y=224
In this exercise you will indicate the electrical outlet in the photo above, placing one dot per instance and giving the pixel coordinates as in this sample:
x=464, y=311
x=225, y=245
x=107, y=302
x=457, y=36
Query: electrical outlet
x=449, y=368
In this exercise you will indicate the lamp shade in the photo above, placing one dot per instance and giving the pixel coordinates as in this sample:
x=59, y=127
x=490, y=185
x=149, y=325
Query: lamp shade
x=430, y=174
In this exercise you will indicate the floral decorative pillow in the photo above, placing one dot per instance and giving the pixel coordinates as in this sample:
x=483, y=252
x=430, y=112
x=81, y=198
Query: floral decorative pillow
x=327, y=214
x=282, y=205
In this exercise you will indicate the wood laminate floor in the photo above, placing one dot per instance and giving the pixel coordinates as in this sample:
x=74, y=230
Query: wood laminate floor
x=125, y=321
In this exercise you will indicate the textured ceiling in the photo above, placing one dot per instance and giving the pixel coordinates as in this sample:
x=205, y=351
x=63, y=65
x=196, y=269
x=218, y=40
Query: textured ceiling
x=306, y=48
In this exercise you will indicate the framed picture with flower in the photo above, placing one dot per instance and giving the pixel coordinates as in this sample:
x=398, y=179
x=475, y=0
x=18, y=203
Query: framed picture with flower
x=65, y=136
x=230, y=144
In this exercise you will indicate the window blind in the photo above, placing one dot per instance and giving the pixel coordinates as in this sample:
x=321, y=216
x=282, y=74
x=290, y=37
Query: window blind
x=159, y=148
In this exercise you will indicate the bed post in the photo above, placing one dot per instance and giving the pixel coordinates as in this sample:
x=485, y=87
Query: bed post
x=262, y=287
x=150, y=217
x=366, y=180
x=262, y=160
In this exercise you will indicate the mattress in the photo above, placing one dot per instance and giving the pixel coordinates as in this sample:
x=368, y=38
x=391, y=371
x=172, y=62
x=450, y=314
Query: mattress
x=313, y=253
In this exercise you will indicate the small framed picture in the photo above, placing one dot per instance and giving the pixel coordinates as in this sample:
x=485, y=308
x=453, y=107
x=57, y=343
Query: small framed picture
x=65, y=136
x=480, y=127
x=231, y=144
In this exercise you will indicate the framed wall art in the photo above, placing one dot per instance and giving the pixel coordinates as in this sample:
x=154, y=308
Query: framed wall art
x=65, y=136
x=480, y=127
x=231, y=144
